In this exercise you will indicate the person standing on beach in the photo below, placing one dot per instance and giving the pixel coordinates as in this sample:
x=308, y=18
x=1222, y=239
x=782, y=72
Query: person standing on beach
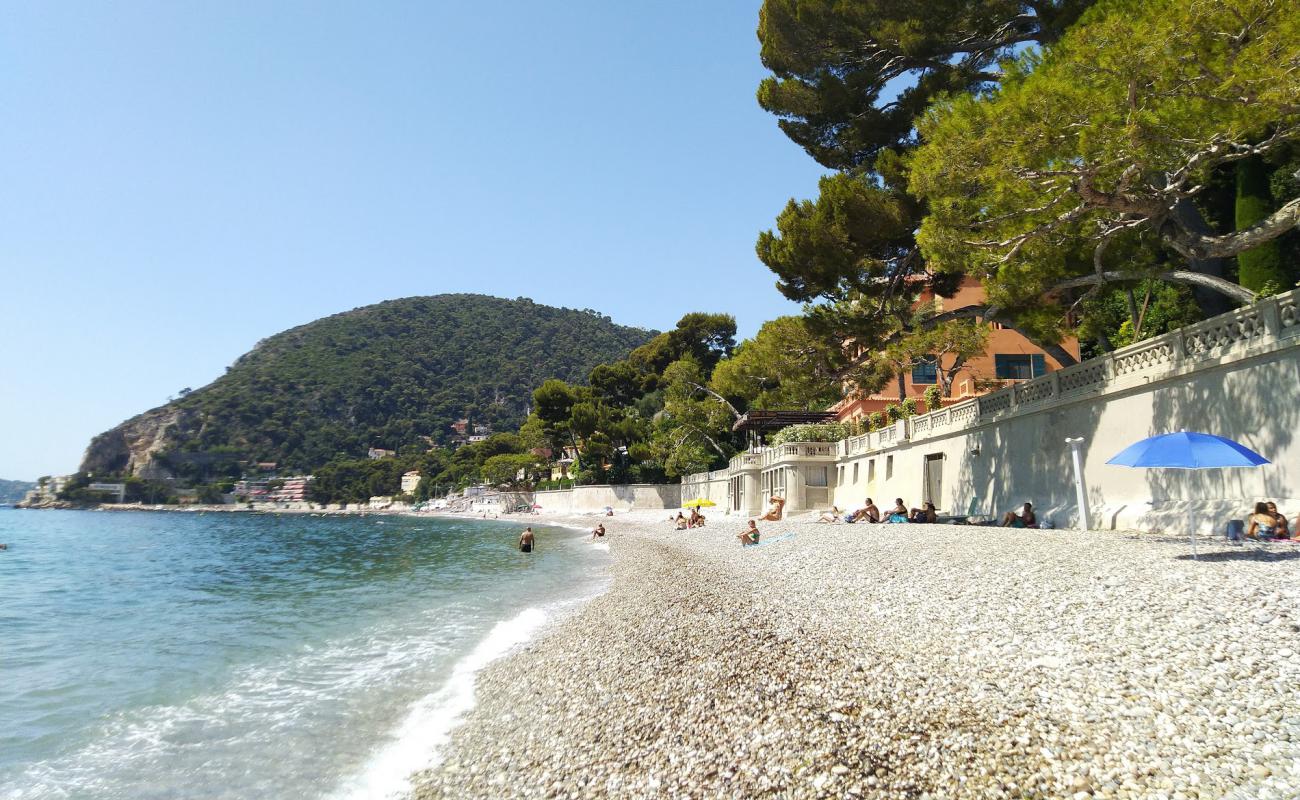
x=526, y=541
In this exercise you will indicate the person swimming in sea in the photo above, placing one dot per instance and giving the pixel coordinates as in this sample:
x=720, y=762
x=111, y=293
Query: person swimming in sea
x=526, y=541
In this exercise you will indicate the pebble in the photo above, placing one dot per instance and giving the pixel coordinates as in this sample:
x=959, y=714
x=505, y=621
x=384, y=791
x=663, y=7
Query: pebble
x=896, y=661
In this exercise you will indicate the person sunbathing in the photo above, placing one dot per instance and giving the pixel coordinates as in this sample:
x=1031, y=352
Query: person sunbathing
x=925, y=515
x=1022, y=517
x=682, y=523
x=1261, y=524
x=748, y=536
x=778, y=504
x=1280, y=527
x=694, y=521
x=830, y=516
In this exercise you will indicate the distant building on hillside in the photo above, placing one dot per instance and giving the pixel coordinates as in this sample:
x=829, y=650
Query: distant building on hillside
x=379, y=452
x=460, y=427
x=410, y=481
x=1008, y=358
x=252, y=491
x=294, y=490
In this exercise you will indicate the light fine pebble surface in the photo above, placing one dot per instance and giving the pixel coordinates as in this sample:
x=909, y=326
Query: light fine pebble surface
x=900, y=661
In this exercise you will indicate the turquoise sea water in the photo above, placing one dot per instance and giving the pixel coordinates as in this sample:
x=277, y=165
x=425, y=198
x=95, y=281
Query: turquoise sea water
x=172, y=655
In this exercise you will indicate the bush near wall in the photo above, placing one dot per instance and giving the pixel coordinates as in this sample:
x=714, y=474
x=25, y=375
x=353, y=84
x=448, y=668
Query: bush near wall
x=826, y=432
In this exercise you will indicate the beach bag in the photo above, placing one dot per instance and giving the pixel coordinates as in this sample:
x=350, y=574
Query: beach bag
x=898, y=518
x=1235, y=530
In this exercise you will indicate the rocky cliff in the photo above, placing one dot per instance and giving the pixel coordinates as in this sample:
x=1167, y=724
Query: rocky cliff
x=133, y=447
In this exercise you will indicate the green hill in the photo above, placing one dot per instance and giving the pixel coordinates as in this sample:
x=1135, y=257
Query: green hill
x=13, y=491
x=394, y=375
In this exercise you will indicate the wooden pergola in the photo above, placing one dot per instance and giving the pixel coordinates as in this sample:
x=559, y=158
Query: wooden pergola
x=760, y=423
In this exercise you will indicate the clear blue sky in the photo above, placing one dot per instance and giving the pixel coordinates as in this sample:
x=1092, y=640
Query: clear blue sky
x=181, y=180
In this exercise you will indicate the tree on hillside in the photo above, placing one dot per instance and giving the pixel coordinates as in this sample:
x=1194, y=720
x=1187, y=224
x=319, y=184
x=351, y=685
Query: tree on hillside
x=783, y=366
x=836, y=64
x=1106, y=141
x=852, y=251
x=511, y=470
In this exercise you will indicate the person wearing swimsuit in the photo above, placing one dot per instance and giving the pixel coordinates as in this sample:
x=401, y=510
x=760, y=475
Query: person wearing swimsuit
x=526, y=541
x=1261, y=524
x=597, y=531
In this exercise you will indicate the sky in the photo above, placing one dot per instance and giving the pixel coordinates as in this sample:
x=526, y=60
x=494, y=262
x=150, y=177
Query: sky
x=181, y=180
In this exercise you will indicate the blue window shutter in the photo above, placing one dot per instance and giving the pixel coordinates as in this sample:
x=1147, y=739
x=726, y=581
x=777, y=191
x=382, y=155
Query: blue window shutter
x=1039, y=364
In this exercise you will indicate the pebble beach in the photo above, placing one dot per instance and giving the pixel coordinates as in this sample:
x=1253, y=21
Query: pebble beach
x=899, y=661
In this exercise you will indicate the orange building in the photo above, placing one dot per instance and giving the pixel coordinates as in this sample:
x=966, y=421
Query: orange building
x=1008, y=358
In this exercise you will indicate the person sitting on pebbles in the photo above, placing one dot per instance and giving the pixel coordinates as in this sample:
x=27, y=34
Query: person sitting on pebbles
x=598, y=531
x=778, y=504
x=830, y=516
x=682, y=522
x=1022, y=517
x=1280, y=527
x=899, y=512
x=868, y=513
x=1261, y=524
x=924, y=515
x=748, y=536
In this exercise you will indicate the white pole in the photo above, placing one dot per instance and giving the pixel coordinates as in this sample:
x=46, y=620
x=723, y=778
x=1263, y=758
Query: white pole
x=1076, y=453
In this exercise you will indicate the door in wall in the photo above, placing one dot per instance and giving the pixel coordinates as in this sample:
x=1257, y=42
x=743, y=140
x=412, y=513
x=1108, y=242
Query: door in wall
x=934, y=479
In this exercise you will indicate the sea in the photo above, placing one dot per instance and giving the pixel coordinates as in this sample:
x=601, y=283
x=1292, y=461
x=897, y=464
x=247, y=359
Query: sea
x=230, y=655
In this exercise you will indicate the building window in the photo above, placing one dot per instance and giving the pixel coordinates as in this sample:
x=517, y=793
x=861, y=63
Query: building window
x=816, y=476
x=1019, y=367
x=889, y=467
x=839, y=476
x=926, y=371
x=871, y=470
x=855, y=472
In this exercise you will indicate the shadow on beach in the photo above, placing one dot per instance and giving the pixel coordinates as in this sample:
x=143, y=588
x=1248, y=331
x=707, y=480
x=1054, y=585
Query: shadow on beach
x=1243, y=555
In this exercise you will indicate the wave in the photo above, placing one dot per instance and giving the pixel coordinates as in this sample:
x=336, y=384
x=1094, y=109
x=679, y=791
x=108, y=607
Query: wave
x=417, y=742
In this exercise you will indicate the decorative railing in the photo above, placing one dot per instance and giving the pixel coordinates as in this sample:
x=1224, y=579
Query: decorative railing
x=749, y=458
x=780, y=452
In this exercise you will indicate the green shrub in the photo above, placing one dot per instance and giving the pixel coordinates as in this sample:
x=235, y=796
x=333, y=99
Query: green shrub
x=933, y=398
x=877, y=420
x=909, y=407
x=894, y=412
x=825, y=432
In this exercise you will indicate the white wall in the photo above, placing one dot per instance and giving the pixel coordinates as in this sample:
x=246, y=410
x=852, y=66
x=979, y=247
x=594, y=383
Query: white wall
x=1236, y=376
x=583, y=499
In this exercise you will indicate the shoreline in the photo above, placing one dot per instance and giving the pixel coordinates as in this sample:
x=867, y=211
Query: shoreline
x=897, y=661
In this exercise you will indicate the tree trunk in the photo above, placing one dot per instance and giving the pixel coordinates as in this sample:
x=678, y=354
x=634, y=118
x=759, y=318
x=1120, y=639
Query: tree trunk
x=902, y=388
x=1212, y=303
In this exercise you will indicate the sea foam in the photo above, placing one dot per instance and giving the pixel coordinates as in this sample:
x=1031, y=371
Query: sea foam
x=416, y=743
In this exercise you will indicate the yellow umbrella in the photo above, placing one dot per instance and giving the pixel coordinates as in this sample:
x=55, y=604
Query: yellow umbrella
x=698, y=503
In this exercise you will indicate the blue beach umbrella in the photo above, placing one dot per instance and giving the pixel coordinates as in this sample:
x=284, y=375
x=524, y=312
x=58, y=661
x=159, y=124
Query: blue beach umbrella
x=1188, y=450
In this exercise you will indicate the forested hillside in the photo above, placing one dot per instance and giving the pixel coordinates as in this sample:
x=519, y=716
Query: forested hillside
x=13, y=491
x=394, y=375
